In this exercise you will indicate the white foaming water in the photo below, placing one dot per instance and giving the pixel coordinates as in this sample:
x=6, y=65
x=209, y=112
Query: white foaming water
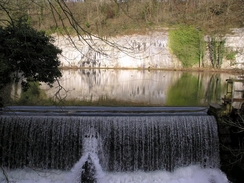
x=190, y=174
x=90, y=163
x=77, y=169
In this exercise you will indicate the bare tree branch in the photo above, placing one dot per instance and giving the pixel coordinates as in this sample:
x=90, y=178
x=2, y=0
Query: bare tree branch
x=5, y=174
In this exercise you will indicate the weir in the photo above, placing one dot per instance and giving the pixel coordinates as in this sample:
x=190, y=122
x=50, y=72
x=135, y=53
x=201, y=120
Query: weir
x=120, y=142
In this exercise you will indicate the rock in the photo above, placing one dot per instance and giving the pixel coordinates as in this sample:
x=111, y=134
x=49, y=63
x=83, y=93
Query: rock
x=136, y=51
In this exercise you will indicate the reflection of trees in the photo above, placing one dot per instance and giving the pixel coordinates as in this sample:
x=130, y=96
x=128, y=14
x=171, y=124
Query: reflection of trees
x=195, y=90
x=186, y=91
x=213, y=91
x=91, y=76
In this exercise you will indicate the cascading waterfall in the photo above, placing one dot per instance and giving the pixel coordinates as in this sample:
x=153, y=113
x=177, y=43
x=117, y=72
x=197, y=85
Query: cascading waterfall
x=124, y=143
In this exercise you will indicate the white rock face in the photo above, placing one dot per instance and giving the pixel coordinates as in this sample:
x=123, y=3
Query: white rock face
x=235, y=42
x=135, y=51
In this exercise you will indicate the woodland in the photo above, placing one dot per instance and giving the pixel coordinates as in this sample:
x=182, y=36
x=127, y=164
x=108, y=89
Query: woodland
x=115, y=17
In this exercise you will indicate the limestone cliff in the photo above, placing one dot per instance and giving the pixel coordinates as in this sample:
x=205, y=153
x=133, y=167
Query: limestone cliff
x=136, y=51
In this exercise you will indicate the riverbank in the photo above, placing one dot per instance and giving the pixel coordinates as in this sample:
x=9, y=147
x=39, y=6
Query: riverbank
x=210, y=70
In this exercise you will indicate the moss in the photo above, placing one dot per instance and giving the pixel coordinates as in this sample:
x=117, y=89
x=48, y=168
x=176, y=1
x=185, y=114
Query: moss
x=231, y=55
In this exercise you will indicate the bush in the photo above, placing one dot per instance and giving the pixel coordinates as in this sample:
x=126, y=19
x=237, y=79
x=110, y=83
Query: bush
x=187, y=44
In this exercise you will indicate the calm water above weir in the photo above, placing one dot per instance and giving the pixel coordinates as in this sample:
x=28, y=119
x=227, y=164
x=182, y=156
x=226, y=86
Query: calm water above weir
x=155, y=87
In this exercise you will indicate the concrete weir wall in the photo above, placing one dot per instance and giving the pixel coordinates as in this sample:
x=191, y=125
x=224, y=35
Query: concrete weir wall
x=150, y=50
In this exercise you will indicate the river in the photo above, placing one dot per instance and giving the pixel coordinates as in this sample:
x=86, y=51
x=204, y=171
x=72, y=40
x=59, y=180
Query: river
x=150, y=87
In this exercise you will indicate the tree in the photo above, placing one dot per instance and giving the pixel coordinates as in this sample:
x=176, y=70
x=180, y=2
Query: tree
x=28, y=54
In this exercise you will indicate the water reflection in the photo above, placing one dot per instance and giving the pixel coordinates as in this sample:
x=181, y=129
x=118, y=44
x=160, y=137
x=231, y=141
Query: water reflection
x=195, y=90
x=155, y=87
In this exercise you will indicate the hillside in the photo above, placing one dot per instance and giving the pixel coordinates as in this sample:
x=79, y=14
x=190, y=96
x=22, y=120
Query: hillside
x=196, y=30
x=110, y=18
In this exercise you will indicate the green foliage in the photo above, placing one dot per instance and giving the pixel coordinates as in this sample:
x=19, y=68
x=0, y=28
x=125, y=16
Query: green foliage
x=55, y=29
x=33, y=95
x=27, y=53
x=216, y=51
x=231, y=55
x=186, y=43
x=87, y=24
